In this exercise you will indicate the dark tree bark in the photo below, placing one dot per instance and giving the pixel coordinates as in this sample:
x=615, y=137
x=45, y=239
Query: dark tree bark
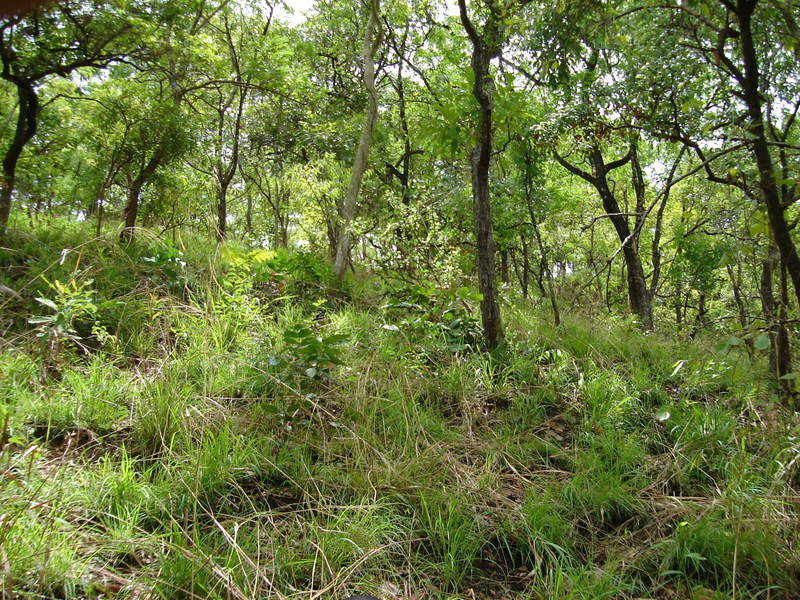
x=24, y=72
x=526, y=268
x=749, y=79
x=638, y=292
x=24, y=132
x=735, y=278
x=135, y=186
x=486, y=45
x=779, y=350
x=223, y=174
x=403, y=173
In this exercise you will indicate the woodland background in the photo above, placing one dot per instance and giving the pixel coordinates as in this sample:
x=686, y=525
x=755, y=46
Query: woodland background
x=494, y=298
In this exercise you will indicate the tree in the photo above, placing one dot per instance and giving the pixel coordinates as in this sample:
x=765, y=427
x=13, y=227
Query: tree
x=638, y=291
x=486, y=46
x=168, y=68
x=373, y=37
x=745, y=79
x=56, y=40
x=224, y=93
x=749, y=79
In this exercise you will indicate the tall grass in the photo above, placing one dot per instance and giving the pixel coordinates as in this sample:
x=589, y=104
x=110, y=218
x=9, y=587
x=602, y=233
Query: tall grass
x=199, y=452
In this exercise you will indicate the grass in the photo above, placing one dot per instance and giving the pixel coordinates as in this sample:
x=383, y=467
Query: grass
x=192, y=453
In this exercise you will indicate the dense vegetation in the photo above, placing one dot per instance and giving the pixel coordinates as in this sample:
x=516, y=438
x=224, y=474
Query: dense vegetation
x=493, y=300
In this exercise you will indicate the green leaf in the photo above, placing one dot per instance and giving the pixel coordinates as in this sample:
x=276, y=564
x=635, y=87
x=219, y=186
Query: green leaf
x=790, y=376
x=758, y=229
x=48, y=303
x=761, y=342
x=734, y=341
x=676, y=368
x=40, y=320
x=401, y=305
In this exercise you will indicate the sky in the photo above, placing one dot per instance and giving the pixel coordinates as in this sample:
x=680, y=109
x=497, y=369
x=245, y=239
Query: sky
x=298, y=6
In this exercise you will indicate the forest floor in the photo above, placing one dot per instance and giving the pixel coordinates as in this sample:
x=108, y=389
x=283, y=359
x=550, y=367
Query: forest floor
x=228, y=426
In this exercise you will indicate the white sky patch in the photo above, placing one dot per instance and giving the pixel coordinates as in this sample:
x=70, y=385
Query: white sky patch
x=293, y=11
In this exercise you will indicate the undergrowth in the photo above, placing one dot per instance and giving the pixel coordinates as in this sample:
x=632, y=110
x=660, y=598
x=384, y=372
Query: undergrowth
x=179, y=425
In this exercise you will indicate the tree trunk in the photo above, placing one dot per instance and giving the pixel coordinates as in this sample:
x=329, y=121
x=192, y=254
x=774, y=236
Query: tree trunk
x=749, y=81
x=369, y=48
x=779, y=349
x=248, y=215
x=131, y=211
x=783, y=362
x=135, y=186
x=222, y=212
x=485, y=46
x=224, y=174
x=280, y=232
x=736, y=286
x=504, y=266
x=25, y=130
x=638, y=292
x=526, y=268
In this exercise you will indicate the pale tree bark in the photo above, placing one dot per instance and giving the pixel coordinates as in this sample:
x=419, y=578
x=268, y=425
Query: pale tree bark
x=373, y=36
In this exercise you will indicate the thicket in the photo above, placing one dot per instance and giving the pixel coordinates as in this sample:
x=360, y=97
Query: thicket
x=180, y=421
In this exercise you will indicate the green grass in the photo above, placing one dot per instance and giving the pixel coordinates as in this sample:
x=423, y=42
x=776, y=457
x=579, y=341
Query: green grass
x=191, y=453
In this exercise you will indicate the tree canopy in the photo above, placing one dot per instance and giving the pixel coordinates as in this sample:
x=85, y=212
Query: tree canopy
x=655, y=175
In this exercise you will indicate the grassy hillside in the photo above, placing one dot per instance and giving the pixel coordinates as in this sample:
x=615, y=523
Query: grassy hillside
x=182, y=425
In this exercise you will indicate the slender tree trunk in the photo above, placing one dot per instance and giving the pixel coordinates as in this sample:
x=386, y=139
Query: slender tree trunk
x=544, y=265
x=248, y=215
x=779, y=349
x=750, y=81
x=526, y=268
x=222, y=212
x=25, y=130
x=135, y=186
x=638, y=292
x=485, y=46
x=405, y=174
x=280, y=232
x=504, y=266
x=655, y=278
x=225, y=173
x=369, y=48
x=784, y=354
x=736, y=286
x=131, y=211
